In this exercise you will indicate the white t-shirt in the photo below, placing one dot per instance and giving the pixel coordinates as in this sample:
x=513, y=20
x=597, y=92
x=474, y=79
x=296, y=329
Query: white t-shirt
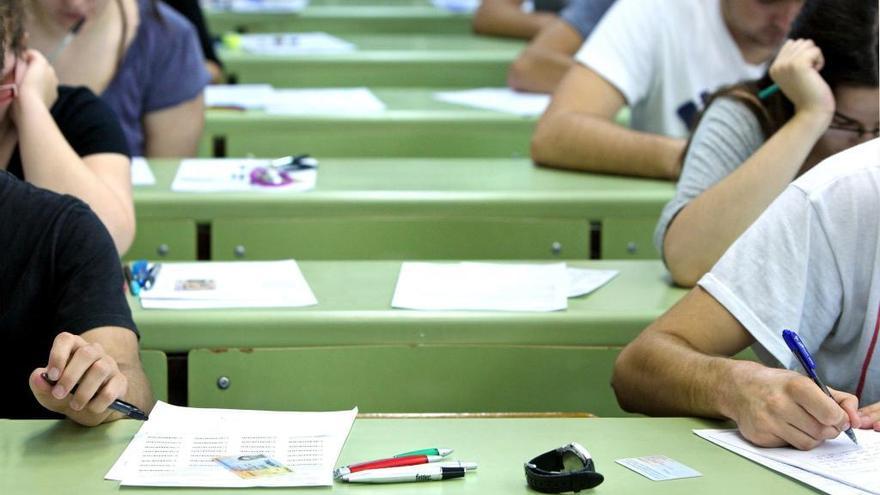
x=666, y=57
x=811, y=263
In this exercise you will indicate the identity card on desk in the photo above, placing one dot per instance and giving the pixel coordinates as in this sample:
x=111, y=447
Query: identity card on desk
x=228, y=284
x=185, y=446
x=237, y=175
x=836, y=466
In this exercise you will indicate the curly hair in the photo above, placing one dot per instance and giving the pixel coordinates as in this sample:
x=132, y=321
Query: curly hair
x=11, y=26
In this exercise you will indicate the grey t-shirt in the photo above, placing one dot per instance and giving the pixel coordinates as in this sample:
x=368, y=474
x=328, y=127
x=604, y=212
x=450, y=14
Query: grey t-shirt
x=584, y=15
x=726, y=137
x=811, y=263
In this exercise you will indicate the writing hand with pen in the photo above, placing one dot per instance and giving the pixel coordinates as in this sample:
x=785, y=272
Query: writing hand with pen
x=83, y=381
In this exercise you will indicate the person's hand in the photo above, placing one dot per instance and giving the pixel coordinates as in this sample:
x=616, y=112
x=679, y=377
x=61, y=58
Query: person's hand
x=777, y=407
x=796, y=71
x=870, y=417
x=37, y=82
x=75, y=362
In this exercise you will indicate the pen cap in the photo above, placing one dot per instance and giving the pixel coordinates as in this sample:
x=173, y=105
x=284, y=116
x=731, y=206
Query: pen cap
x=800, y=351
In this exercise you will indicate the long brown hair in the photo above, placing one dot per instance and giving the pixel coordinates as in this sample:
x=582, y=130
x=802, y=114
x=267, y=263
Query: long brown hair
x=845, y=31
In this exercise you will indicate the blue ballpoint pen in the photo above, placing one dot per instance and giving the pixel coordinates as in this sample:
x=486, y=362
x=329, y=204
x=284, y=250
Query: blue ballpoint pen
x=803, y=356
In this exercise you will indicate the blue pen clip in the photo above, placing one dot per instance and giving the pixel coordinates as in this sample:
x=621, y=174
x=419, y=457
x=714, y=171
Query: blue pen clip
x=800, y=351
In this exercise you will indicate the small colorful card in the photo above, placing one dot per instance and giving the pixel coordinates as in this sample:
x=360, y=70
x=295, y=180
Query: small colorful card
x=253, y=466
x=659, y=467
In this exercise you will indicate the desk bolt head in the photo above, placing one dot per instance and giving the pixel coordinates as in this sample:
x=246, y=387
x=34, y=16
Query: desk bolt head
x=556, y=248
x=239, y=251
x=631, y=247
x=223, y=383
x=162, y=250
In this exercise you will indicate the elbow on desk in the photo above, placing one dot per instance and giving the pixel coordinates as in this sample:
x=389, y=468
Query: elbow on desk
x=519, y=72
x=543, y=146
x=623, y=367
x=685, y=267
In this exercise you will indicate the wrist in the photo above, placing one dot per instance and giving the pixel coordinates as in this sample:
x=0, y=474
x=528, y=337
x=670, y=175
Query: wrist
x=814, y=120
x=24, y=103
x=733, y=391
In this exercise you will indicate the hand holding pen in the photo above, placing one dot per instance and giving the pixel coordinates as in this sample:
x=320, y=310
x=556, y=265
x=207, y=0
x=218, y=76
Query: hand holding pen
x=82, y=381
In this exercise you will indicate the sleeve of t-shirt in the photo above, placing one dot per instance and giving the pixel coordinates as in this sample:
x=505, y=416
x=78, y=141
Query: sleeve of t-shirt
x=88, y=284
x=178, y=65
x=623, y=47
x=728, y=134
x=88, y=123
x=584, y=15
x=193, y=13
x=781, y=274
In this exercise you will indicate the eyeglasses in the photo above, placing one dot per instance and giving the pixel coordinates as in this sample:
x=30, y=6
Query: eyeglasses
x=9, y=88
x=848, y=124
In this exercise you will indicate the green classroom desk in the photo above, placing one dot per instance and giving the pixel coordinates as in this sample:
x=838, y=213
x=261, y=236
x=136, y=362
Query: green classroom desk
x=391, y=60
x=408, y=208
x=58, y=457
x=339, y=19
x=501, y=359
x=414, y=124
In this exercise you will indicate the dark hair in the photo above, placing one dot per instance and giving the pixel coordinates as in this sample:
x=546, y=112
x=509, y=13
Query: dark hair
x=845, y=31
x=11, y=27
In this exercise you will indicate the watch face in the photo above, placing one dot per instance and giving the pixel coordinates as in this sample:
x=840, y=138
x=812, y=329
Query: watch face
x=571, y=461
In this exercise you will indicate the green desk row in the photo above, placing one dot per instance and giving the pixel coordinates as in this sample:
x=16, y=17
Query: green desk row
x=413, y=124
x=347, y=349
x=412, y=208
x=391, y=60
x=340, y=19
x=57, y=456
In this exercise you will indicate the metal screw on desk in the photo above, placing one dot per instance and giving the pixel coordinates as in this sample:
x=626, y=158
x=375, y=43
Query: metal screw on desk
x=162, y=250
x=223, y=383
x=556, y=248
x=239, y=251
x=631, y=247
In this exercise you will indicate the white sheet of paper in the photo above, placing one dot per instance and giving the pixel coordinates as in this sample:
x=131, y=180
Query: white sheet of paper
x=325, y=101
x=457, y=6
x=582, y=281
x=228, y=284
x=177, y=446
x=314, y=43
x=243, y=96
x=498, y=99
x=839, y=465
x=267, y=6
x=481, y=286
x=141, y=173
x=233, y=175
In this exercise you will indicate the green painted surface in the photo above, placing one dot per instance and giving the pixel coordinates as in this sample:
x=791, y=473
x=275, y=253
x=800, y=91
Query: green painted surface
x=403, y=236
x=53, y=456
x=155, y=364
x=408, y=379
x=354, y=308
x=163, y=239
x=393, y=60
x=414, y=124
x=361, y=19
x=629, y=238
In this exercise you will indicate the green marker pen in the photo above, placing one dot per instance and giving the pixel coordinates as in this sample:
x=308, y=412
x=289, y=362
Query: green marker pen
x=440, y=452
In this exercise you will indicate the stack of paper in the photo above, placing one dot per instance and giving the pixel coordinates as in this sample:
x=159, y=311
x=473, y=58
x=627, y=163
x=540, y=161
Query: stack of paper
x=235, y=284
x=325, y=101
x=493, y=286
x=836, y=467
x=266, y=6
x=457, y=6
x=503, y=100
x=316, y=43
x=238, y=96
x=233, y=175
x=178, y=446
x=141, y=174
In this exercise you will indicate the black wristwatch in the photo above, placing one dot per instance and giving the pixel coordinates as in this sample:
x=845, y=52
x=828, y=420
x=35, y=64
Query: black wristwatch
x=566, y=469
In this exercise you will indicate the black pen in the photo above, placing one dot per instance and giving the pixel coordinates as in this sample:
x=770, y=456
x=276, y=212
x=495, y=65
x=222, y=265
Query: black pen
x=119, y=405
x=66, y=40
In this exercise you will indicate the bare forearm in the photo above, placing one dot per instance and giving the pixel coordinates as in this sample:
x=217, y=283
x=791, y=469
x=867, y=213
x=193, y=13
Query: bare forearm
x=49, y=162
x=659, y=374
x=538, y=70
x=509, y=20
x=704, y=229
x=583, y=142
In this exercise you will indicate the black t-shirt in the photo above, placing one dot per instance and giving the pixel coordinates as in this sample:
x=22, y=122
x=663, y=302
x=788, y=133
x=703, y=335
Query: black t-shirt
x=59, y=271
x=88, y=124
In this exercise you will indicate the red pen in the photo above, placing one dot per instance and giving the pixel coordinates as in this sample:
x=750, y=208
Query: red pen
x=411, y=460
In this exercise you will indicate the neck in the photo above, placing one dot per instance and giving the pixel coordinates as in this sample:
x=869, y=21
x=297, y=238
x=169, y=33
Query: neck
x=752, y=51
